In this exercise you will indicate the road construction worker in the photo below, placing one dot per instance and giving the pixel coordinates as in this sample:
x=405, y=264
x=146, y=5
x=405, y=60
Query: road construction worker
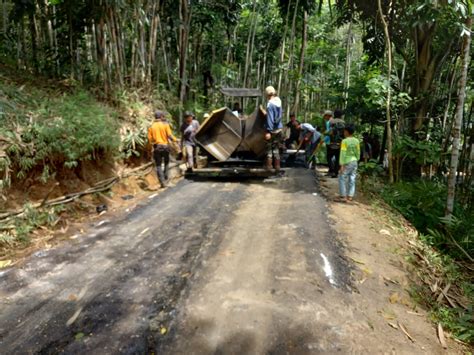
x=273, y=127
x=237, y=110
x=294, y=133
x=310, y=137
x=188, y=144
x=327, y=117
x=160, y=136
x=336, y=135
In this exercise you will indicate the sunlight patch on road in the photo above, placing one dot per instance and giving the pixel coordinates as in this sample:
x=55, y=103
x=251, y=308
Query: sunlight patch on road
x=328, y=270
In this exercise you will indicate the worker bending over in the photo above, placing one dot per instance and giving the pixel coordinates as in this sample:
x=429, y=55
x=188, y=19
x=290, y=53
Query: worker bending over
x=310, y=138
x=159, y=136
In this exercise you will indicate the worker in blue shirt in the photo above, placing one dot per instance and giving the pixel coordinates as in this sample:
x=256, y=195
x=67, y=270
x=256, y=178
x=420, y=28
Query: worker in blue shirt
x=274, y=129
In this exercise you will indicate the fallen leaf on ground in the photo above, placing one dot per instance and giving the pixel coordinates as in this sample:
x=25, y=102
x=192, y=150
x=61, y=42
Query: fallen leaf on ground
x=385, y=232
x=143, y=231
x=415, y=314
x=74, y=317
x=163, y=330
x=394, y=298
x=357, y=261
x=441, y=337
x=5, y=263
x=393, y=325
x=405, y=331
x=367, y=270
x=443, y=293
x=388, y=315
x=406, y=302
x=79, y=336
x=390, y=280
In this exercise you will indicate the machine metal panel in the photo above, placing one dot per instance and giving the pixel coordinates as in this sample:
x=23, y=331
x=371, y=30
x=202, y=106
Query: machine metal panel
x=255, y=132
x=220, y=134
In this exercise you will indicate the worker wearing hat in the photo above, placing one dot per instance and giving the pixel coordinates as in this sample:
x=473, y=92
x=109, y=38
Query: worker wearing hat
x=335, y=135
x=159, y=136
x=188, y=144
x=273, y=127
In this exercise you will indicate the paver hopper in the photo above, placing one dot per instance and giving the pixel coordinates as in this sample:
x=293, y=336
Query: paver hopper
x=220, y=134
x=235, y=144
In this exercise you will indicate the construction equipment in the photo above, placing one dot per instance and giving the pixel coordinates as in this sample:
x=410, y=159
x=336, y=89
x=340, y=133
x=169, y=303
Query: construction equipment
x=234, y=144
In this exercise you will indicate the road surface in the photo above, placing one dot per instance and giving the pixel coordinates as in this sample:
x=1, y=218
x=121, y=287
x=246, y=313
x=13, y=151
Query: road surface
x=203, y=268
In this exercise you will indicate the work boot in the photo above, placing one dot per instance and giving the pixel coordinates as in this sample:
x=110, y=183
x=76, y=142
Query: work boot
x=277, y=165
x=268, y=164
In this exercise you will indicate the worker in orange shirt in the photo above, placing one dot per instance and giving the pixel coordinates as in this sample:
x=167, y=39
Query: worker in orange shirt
x=159, y=136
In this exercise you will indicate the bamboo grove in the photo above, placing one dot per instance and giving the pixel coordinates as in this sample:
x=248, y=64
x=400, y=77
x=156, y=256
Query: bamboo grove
x=400, y=70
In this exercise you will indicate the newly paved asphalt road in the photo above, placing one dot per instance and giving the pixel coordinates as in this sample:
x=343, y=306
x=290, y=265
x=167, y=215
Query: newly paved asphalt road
x=204, y=267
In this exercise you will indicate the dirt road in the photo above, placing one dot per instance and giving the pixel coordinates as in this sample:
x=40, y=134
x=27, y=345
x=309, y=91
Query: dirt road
x=202, y=268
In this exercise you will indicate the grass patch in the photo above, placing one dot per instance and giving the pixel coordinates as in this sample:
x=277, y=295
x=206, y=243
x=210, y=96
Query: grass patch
x=43, y=132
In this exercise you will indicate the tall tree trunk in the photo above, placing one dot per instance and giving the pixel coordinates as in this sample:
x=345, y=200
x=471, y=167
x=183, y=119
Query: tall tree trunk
x=34, y=47
x=163, y=50
x=304, y=39
x=347, y=68
x=283, y=48
x=458, y=120
x=389, y=91
x=152, y=43
x=289, y=86
x=251, y=36
x=4, y=17
x=185, y=19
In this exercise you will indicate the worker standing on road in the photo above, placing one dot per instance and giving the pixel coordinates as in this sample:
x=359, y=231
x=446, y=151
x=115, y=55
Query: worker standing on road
x=336, y=135
x=188, y=144
x=350, y=155
x=159, y=136
x=327, y=117
x=273, y=126
x=310, y=137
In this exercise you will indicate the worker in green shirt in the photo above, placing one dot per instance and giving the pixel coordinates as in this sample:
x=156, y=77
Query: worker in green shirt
x=350, y=155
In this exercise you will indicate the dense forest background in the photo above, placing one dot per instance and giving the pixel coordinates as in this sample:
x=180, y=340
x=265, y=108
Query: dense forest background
x=399, y=69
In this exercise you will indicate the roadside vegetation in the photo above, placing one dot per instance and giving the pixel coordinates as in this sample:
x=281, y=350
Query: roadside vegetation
x=400, y=70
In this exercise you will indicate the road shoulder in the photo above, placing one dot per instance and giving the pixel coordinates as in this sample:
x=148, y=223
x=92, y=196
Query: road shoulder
x=378, y=247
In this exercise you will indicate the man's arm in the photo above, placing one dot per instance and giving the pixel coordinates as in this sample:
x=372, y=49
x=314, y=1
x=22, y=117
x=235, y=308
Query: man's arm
x=150, y=136
x=170, y=134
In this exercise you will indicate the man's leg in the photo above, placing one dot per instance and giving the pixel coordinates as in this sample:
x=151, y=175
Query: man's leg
x=158, y=155
x=330, y=155
x=269, y=155
x=336, y=153
x=166, y=158
x=276, y=141
x=342, y=183
x=352, y=174
x=195, y=164
x=189, y=156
